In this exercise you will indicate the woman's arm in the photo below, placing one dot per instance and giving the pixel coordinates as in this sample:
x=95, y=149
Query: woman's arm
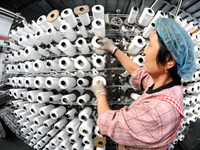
x=102, y=104
x=126, y=62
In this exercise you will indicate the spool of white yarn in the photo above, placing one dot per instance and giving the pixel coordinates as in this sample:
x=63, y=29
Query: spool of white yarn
x=99, y=62
x=66, y=47
x=133, y=14
x=136, y=45
x=86, y=127
x=82, y=63
x=41, y=36
x=45, y=111
x=82, y=46
x=65, y=144
x=147, y=31
x=71, y=113
x=95, y=45
x=34, y=25
x=39, y=82
x=67, y=82
x=99, y=78
x=73, y=125
x=82, y=30
x=49, y=122
x=35, y=107
x=68, y=99
x=56, y=36
x=87, y=139
x=55, y=98
x=43, y=130
x=52, y=132
x=28, y=66
x=58, y=112
x=84, y=115
x=32, y=38
x=40, y=66
x=74, y=137
x=77, y=145
x=53, y=64
x=54, y=18
x=66, y=63
x=139, y=60
x=42, y=22
x=39, y=120
x=67, y=31
x=42, y=51
x=98, y=26
x=60, y=124
x=62, y=135
x=68, y=16
x=98, y=12
x=159, y=14
x=52, y=82
x=43, y=97
x=29, y=82
x=53, y=49
x=146, y=16
x=23, y=41
x=30, y=52
x=82, y=12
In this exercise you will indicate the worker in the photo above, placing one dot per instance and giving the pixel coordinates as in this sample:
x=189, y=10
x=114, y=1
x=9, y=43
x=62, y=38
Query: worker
x=152, y=120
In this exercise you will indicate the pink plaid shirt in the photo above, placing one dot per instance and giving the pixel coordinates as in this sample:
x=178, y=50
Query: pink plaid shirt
x=150, y=122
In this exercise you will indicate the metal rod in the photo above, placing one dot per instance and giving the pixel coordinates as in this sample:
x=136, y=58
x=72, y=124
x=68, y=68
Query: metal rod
x=178, y=8
x=154, y=4
x=10, y=14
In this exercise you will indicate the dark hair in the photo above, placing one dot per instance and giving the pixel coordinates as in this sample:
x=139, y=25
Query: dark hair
x=163, y=55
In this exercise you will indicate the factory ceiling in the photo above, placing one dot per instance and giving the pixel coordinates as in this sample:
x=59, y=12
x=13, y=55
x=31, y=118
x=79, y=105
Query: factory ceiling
x=32, y=9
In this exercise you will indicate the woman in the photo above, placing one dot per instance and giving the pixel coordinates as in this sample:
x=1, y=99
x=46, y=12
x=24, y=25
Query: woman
x=151, y=121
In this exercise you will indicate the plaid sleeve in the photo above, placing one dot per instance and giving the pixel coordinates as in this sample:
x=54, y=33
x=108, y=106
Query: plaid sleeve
x=149, y=124
x=141, y=79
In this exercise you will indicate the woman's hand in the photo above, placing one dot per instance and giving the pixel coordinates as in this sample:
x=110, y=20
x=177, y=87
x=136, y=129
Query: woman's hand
x=99, y=89
x=107, y=44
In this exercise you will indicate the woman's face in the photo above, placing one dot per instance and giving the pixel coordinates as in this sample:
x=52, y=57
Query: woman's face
x=150, y=64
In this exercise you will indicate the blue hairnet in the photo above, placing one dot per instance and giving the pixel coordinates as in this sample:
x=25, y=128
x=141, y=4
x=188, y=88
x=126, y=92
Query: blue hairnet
x=179, y=44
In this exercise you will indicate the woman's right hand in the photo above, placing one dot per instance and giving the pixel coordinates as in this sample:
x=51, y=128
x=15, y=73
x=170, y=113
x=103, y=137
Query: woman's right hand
x=106, y=44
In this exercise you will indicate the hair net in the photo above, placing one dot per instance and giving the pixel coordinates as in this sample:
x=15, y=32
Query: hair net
x=179, y=44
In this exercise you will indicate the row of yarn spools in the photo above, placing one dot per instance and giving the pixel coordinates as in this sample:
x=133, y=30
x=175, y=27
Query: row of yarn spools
x=46, y=126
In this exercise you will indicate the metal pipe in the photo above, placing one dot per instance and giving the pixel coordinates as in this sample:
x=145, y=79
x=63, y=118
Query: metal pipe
x=11, y=14
x=154, y=4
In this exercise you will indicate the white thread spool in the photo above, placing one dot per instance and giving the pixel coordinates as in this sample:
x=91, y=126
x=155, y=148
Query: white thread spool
x=28, y=66
x=98, y=26
x=84, y=16
x=82, y=46
x=67, y=82
x=189, y=27
x=77, y=145
x=23, y=41
x=53, y=64
x=40, y=144
x=95, y=45
x=54, y=18
x=57, y=112
x=84, y=115
x=42, y=22
x=13, y=35
x=17, y=92
x=32, y=38
x=39, y=82
x=49, y=122
x=43, y=97
x=34, y=25
x=146, y=16
x=66, y=63
x=179, y=20
x=139, y=60
x=71, y=113
x=23, y=115
x=20, y=67
x=29, y=81
x=133, y=14
x=136, y=45
x=41, y=36
x=82, y=30
x=30, y=117
x=147, y=31
x=13, y=46
x=86, y=127
x=34, y=109
x=26, y=106
x=65, y=144
x=54, y=142
x=41, y=51
x=159, y=14
x=30, y=52
x=88, y=146
x=98, y=12
x=39, y=120
x=67, y=31
x=99, y=62
x=66, y=47
x=55, y=98
x=197, y=51
x=97, y=132
x=60, y=124
x=68, y=16
x=43, y=130
x=83, y=82
x=83, y=99
x=68, y=99
x=40, y=66
x=73, y=125
x=56, y=36
x=87, y=139
x=33, y=128
x=62, y=135
x=53, y=49
x=52, y=82
x=98, y=78
x=14, y=103
x=52, y=132
x=82, y=63
x=74, y=137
